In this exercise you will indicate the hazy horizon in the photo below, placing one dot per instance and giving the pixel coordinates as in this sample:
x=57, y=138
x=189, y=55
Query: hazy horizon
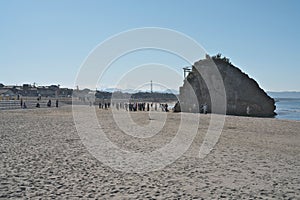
x=147, y=88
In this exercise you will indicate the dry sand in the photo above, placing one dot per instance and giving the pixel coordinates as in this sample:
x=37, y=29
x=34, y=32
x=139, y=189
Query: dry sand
x=42, y=157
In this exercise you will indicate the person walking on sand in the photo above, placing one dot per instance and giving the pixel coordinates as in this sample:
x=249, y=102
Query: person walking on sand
x=205, y=108
x=248, y=110
x=49, y=103
x=56, y=103
x=166, y=107
x=38, y=103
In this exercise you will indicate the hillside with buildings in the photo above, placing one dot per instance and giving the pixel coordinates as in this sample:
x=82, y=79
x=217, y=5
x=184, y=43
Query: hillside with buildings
x=12, y=92
x=8, y=92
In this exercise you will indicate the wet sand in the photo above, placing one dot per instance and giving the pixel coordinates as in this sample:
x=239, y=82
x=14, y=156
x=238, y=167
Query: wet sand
x=43, y=157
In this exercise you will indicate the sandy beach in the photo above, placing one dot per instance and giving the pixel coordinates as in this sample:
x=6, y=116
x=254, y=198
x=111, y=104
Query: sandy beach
x=43, y=157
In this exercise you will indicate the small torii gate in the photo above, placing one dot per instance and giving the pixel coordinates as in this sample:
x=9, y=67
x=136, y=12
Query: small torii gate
x=186, y=71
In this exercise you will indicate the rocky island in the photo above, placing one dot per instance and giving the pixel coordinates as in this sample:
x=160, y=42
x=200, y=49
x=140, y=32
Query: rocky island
x=244, y=97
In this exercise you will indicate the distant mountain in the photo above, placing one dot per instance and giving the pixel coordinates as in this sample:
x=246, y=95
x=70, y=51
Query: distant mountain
x=276, y=95
x=130, y=91
x=171, y=91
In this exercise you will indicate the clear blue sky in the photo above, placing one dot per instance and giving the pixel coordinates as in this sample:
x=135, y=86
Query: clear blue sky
x=47, y=41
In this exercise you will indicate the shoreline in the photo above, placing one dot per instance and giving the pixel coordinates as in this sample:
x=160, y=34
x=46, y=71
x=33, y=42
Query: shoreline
x=96, y=107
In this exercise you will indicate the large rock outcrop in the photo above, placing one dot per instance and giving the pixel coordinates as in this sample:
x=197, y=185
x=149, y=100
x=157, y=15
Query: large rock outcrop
x=244, y=97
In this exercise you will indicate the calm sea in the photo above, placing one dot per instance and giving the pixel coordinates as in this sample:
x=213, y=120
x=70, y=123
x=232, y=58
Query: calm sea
x=288, y=108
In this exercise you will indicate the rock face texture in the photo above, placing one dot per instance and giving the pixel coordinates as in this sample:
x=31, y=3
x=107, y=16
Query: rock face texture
x=244, y=97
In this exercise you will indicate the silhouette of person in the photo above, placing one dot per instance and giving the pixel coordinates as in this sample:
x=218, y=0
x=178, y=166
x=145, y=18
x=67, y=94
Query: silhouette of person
x=248, y=110
x=166, y=107
x=49, y=103
x=205, y=108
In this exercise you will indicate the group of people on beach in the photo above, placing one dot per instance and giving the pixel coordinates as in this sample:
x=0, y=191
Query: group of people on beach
x=38, y=105
x=49, y=103
x=135, y=106
x=104, y=105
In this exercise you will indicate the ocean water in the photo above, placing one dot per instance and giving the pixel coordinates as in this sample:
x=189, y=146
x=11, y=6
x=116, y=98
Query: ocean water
x=287, y=108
